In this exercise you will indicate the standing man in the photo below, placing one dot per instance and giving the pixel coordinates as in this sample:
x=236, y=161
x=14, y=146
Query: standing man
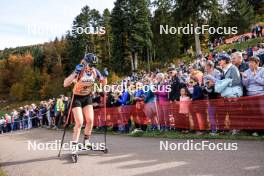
x=175, y=83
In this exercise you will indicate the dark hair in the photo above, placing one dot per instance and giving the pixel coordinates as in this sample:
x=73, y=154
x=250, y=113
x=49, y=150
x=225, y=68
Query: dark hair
x=254, y=59
x=187, y=91
x=210, y=63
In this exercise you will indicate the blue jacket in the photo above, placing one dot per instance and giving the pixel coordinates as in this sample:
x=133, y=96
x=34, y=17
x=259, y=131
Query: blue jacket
x=197, y=93
x=225, y=88
x=254, y=84
x=149, y=96
x=124, y=99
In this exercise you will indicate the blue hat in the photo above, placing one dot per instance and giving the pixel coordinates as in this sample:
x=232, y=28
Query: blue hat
x=224, y=56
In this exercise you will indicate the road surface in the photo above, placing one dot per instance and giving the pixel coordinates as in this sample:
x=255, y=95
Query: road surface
x=128, y=156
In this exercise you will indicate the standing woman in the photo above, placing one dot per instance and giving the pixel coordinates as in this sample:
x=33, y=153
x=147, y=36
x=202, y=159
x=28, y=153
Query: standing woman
x=83, y=77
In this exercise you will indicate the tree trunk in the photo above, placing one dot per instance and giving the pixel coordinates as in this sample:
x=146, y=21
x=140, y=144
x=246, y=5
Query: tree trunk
x=132, y=61
x=197, y=40
x=148, y=60
x=136, y=61
x=108, y=48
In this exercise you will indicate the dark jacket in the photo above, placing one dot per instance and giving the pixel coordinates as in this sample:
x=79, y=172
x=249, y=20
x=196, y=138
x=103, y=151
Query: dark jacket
x=243, y=67
x=176, y=86
x=197, y=93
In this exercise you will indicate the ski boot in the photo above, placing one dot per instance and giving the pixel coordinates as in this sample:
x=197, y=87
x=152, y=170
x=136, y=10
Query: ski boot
x=74, y=154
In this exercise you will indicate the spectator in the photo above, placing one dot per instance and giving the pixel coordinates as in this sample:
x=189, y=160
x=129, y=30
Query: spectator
x=162, y=100
x=138, y=114
x=122, y=100
x=197, y=89
x=211, y=94
x=21, y=117
x=237, y=60
x=210, y=70
x=48, y=114
x=14, y=116
x=184, y=108
x=196, y=113
x=253, y=78
x=2, y=125
x=176, y=85
x=231, y=84
x=149, y=105
x=59, y=112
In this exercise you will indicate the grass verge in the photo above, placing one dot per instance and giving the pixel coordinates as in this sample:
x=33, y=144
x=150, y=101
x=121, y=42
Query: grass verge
x=240, y=46
x=2, y=173
x=179, y=135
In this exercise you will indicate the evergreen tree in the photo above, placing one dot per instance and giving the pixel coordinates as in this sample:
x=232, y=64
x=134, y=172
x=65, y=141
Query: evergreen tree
x=76, y=41
x=106, y=39
x=240, y=13
x=119, y=24
x=132, y=33
x=191, y=12
x=139, y=33
x=166, y=46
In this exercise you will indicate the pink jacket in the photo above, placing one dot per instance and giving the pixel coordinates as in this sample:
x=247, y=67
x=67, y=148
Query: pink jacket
x=162, y=94
x=184, y=105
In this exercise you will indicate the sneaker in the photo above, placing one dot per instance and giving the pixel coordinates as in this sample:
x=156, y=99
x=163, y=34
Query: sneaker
x=199, y=133
x=184, y=131
x=213, y=134
x=234, y=132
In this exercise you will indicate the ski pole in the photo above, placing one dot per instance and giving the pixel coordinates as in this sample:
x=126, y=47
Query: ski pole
x=67, y=120
x=65, y=125
x=105, y=74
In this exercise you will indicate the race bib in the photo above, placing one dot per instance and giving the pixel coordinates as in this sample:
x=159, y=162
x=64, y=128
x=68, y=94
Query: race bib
x=84, y=85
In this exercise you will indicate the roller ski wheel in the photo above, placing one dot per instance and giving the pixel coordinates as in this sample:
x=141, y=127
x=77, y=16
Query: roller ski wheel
x=75, y=158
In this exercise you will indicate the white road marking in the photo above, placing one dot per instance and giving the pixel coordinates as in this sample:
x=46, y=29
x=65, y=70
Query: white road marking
x=251, y=167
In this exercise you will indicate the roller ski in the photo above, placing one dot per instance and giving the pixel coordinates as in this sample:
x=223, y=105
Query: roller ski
x=74, y=154
x=88, y=146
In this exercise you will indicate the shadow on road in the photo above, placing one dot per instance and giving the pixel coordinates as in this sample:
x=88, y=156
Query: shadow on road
x=28, y=161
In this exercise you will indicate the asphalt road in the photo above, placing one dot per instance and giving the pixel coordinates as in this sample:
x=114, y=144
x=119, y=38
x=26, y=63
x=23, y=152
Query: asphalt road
x=128, y=156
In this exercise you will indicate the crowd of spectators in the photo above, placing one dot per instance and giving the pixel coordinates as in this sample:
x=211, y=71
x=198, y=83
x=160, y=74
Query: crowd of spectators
x=50, y=114
x=257, y=31
x=226, y=74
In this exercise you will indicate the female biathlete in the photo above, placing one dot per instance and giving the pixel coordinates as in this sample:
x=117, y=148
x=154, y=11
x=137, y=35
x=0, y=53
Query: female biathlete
x=84, y=77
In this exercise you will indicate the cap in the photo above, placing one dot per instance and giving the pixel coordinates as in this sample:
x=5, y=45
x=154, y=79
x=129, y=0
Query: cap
x=223, y=56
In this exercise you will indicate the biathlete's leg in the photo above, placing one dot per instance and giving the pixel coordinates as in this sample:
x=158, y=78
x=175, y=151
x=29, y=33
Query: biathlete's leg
x=89, y=118
x=78, y=117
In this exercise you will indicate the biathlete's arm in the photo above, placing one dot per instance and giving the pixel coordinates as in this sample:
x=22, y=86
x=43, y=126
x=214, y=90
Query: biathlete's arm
x=100, y=77
x=69, y=80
